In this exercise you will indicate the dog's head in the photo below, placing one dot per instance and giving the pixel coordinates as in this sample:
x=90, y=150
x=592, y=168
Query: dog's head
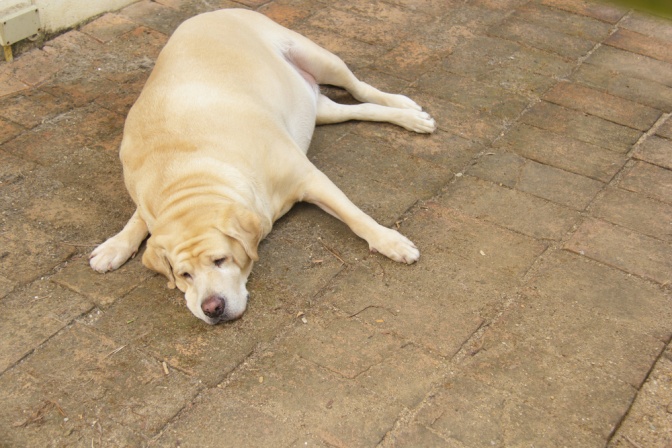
x=209, y=257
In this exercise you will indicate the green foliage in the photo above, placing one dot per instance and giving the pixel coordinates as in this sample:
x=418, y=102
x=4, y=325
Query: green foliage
x=657, y=7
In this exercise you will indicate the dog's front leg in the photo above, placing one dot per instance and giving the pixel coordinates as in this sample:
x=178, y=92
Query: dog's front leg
x=116, y=250
x=321, y=191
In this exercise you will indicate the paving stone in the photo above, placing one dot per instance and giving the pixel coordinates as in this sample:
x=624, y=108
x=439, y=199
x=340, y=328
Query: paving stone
x=634, y=211
x=140, y=46
x=310, y=439
x=573, y=394
x=149, y=312
x=120, y=98
x=400, y=179
x=487, y=98
x=355, y=53
x=409, y=313
x=621, y=84
x=605, y=12
x=650, y=180
x=298, y=392
x=389, y=13
x=562, y=152
x=67, y=46
x=306, y=249
x=55, y=203
x=36, y=66
x=655, y=150
x=102, y=289
x=80, y=92
x=33, y=314
x=31, y=108
x=342, y=345
x=422, y=51
x=357, y=26
x=189, y=8
x=215, y=417
x=632, y=64
x=467, y=122
x=70, y=214
x=375, y=359
x=289, y=13
x=509, y=208
x=541, y=37
x=568, y=310
x=108, y=27
x=648, y=420
x=9, y=84
x=96, y=169
x=550, y=183
x=482, y=261
x=641, y=44
x=65, y=135
x=8, y=130
x=507, y=64
x=427, y=6
x=627, y=250
x=555, y=18
x=637, y=304
x=559, y=186
x=419, y=435
x=28, y=252
x=474, y=421
x=477, y=16
x=440, y=148
x=665, y=129
x=603, y=105
x=476, y=414
x=647, y=24
x=531, y=427
x=580, y=126
x=502, y=168
x=154, y=16
x=12, y=170
x=411, y=366
x=6, y=286
x=252, y=3
x=93, y=382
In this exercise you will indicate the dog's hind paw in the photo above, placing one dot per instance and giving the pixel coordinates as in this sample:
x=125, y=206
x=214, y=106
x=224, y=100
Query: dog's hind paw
x=416, y=121
x=395, y=246
x=400, y=102
x=110, y=255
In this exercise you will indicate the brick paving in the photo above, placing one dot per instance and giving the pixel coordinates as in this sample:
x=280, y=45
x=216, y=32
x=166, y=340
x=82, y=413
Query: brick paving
x=539, y=314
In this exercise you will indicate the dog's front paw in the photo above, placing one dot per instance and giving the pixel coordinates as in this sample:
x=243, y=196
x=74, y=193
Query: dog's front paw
x=110, y=255
x=395, y=246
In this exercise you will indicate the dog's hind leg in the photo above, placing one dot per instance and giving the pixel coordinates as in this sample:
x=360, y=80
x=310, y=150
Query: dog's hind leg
x=327, y=68
x=118, y=249
x=411, y=119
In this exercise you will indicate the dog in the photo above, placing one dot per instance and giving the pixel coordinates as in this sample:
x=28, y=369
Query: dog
x=214, y=152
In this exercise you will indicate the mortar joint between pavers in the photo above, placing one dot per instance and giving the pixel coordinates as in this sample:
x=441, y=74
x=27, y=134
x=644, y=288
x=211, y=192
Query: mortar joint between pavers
x=646, y=135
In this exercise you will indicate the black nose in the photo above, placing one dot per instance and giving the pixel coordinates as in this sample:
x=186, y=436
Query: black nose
x=213, y=306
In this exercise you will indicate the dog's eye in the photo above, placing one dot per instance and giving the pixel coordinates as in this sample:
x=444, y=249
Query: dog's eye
x=220, y=261
x=186, y=275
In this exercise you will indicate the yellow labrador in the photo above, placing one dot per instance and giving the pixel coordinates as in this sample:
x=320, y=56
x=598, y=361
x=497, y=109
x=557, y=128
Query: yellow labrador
x=214, y=151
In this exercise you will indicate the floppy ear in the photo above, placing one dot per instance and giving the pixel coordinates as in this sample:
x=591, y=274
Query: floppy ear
x=244, y=226
x=155, y=259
